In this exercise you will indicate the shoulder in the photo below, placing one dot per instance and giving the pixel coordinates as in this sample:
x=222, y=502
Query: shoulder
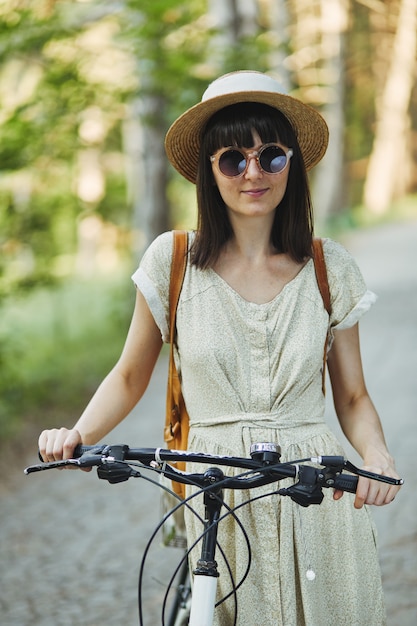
x=349, y=295
x=334, y=252
x=157, y=259
x=339, y=261
x=343, y=273
x=162, y=246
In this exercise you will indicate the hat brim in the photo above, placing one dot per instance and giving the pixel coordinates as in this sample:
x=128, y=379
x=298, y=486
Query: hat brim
x=182, y=142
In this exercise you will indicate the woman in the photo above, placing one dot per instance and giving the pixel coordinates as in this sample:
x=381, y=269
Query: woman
x=251, y=326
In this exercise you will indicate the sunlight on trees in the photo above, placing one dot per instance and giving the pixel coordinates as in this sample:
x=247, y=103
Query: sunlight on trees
x=88, y=90
x=387, y=177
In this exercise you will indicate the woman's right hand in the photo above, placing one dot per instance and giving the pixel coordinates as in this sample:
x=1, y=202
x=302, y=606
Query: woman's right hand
x=58, y=444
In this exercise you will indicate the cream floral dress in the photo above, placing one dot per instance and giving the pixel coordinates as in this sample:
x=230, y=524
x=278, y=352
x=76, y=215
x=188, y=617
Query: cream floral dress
x=252, y=373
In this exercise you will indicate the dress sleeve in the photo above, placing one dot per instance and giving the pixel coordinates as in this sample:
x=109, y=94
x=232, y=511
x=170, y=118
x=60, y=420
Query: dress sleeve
x=349, y=295
x=152, y=279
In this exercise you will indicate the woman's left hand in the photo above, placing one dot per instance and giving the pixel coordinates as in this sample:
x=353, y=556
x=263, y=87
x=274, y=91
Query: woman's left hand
x=373, y=491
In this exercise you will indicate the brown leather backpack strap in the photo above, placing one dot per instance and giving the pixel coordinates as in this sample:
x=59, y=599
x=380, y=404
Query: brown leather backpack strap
x=178, y=267
x=321, y=273
x=323, y=285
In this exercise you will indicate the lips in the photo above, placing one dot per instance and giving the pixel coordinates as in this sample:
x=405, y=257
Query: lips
x=255, y=193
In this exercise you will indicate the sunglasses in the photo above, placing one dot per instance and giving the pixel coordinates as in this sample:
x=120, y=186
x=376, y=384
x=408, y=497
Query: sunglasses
x=233, y=162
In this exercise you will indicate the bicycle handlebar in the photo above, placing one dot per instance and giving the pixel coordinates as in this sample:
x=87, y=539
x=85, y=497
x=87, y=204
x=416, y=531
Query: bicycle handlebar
x=264, y=468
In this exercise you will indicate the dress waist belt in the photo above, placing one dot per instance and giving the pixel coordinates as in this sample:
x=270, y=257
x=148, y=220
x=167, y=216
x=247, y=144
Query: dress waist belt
x=258, y=420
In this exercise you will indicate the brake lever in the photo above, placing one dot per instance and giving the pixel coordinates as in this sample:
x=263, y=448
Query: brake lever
x=365, y=474
x=88, y=459
x=40, y=467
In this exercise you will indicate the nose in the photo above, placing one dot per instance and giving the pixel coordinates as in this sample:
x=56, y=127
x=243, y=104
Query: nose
x=253, y=169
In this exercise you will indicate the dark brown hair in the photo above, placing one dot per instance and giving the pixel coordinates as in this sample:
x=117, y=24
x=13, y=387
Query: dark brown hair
x=292, y=230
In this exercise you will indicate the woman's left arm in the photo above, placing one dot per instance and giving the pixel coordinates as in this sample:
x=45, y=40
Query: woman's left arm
x=358, y=418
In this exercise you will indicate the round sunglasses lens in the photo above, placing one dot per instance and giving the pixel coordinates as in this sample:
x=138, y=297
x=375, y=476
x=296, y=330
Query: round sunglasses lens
x=232, y=163
x=273, y=159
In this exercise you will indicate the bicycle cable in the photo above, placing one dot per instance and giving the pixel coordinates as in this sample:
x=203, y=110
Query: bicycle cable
x=189, y=550
x=230, y=511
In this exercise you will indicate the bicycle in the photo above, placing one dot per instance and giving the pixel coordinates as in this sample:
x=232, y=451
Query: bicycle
x=118, y=463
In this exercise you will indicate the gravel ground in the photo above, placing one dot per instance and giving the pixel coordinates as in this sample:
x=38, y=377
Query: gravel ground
x=71, y=545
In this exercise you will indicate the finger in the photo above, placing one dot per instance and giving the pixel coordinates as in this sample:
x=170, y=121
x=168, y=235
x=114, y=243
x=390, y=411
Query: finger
x=42, y=444
x=72, y=440
x=362, y=492
x=374, y=493
x=381, y=496
x=57, y=444
x=337, y=494
x=49, y=447
x=387, y=496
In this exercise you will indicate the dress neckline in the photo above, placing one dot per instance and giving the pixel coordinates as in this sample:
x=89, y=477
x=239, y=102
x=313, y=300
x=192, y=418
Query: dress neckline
x=277, y=296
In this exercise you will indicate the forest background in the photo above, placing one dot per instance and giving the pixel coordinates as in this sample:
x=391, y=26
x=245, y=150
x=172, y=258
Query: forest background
x=88, y=89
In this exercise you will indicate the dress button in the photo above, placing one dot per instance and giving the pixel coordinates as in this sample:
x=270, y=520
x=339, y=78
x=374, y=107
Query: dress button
x=261, y=315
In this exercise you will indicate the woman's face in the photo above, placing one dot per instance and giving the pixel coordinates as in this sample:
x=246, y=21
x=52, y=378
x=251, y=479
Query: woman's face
x=255, y=193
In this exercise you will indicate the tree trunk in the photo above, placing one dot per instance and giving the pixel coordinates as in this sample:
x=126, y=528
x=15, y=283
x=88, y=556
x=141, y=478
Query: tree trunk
x=279, y=31
x=147, y=171
x=153, y=209
x=317, y=34
x=329, y=177
x=233, y=19
x=391, y=150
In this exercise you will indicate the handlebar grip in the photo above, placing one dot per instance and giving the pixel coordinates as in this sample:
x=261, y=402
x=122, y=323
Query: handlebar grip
x=346, y=482
x=78, y=451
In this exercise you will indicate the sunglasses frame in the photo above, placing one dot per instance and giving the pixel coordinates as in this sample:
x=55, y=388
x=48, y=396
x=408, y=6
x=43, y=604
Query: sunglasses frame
x=251, y=154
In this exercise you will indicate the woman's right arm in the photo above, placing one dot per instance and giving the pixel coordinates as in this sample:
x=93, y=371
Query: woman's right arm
x=118, y=393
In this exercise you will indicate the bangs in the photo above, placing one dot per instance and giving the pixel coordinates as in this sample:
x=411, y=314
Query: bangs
x=234, y=125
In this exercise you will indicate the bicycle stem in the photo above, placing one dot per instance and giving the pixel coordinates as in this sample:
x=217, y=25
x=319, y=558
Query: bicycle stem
x=206, y=573
x=206, y=565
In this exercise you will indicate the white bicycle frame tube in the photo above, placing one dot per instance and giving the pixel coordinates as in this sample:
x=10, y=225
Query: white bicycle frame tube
x=203, y=600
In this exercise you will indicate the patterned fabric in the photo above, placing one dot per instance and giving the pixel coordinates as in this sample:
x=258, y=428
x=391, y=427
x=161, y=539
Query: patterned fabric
x=250, y=373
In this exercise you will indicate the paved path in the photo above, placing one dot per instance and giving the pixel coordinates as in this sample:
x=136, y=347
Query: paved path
x=388, y=258
x=71, y=545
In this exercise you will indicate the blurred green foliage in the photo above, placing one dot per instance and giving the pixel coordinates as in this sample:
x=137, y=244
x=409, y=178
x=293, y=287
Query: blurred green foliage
x=50, y=85
x=55, y=345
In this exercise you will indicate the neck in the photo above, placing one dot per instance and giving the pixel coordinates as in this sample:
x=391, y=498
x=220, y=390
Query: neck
x=251, y=239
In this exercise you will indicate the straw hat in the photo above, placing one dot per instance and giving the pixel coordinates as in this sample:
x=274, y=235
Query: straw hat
x=182, y=142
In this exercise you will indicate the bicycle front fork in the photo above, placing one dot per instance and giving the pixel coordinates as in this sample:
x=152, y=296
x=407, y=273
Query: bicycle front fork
x=206, y=574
